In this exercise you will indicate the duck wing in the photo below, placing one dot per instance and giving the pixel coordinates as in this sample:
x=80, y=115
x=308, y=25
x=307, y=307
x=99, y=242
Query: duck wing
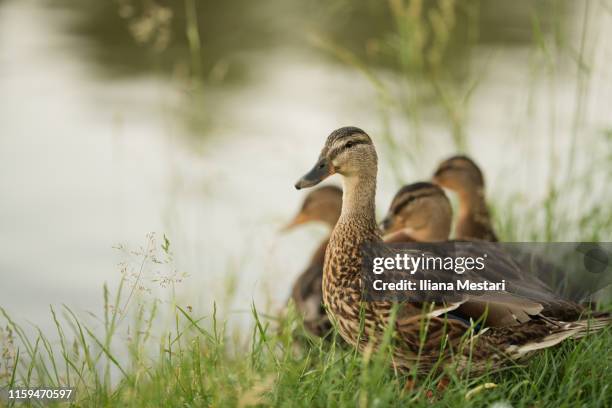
x=522, y=297
x=308, y=296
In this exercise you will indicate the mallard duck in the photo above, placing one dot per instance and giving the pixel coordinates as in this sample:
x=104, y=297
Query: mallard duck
x=421, y=212
x=461, y=175
x=418, y=212
x=524, y=326
x=320, y=205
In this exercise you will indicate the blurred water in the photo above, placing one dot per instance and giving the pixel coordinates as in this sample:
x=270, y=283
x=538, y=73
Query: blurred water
x=88, y=161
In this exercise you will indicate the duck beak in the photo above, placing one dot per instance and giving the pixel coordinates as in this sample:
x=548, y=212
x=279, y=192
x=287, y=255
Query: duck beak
x=299, y=219
x=322, y=170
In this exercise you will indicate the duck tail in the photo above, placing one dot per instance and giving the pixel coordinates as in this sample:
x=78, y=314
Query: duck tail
x=594, y=324
x=571, y=330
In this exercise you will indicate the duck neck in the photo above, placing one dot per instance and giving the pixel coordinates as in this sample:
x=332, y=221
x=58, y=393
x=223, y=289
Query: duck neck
x=472, y=202
x=358, y=203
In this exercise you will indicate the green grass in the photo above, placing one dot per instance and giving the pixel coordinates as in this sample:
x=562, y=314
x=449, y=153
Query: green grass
x=198, y=364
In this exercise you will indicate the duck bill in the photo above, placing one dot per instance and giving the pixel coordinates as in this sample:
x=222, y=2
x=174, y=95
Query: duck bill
x=299, y=219
x=322, y=170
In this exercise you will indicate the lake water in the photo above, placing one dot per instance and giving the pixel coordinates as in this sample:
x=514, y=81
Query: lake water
x=88, y=161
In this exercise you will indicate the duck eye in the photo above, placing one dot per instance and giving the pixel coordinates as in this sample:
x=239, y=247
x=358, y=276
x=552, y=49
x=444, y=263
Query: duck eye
x=349, y=144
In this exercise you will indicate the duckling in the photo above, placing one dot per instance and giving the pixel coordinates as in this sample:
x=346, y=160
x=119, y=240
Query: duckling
x=418, y=212
x=323, y=205
x=528, y=327
x=463, y=176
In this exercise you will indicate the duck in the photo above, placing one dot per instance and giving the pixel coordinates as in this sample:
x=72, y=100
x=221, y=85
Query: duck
x=421, y=212
x=463, y=176
x=323, y=205
x=531, y=323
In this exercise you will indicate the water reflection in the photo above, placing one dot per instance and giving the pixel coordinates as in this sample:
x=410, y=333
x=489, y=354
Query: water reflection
x=135, y=37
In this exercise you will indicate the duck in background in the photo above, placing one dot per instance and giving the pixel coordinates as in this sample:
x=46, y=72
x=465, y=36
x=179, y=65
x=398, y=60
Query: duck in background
x=461, y=175
x=320, y=205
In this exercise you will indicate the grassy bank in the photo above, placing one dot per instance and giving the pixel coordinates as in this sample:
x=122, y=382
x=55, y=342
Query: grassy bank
x=197, y=363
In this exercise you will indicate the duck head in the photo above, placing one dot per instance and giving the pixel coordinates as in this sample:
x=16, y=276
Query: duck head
x=460, y=174
x=322, y=204
x=422, y=210
x=348, y=151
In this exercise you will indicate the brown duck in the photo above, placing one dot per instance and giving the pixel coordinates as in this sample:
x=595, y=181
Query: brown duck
x=320, y=205
x=528, y=326
x=461, y=175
